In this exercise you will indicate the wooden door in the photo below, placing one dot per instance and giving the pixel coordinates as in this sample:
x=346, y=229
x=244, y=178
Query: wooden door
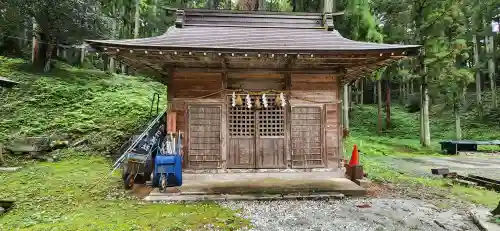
x=204, y=149
x=256, y=136
x=306, y=137
x=270, y=137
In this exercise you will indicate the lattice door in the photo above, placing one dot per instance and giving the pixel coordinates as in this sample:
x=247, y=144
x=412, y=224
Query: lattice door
x=256, y=136
x=307, y=151
x=204, y=136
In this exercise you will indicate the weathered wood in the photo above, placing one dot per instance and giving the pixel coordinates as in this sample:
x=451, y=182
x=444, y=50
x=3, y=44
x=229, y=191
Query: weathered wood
x=288, y=122
x=196, y=84
x=307, y=151
x=224, y=122
x=270, y=136
x=204, y=136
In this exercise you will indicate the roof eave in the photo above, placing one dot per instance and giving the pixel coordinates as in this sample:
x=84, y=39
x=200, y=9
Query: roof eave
x=410, y=50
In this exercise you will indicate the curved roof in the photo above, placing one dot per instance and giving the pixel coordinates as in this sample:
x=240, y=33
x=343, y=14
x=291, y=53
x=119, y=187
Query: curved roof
x=238, y=31
x=251, y=39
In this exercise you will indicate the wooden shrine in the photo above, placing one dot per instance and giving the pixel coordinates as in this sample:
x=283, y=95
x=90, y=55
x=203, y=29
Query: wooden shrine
x=255, y=90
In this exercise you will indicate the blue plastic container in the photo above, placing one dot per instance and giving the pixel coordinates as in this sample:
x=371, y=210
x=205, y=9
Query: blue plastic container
x=171, y=166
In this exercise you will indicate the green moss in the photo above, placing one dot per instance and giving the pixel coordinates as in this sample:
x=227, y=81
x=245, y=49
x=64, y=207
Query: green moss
x=82, y=105
x=102, y=110
x=74, y=194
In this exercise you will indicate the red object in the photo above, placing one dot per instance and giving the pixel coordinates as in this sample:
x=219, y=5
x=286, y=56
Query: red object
x=363, y=206
x=171, y=122
x=354, y=157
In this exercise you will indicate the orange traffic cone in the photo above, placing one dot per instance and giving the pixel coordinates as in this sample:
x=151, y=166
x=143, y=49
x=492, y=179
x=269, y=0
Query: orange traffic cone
x=354, y=157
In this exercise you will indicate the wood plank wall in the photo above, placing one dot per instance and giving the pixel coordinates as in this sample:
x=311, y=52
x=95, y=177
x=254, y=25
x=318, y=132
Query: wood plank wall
x=190, y=87
x=321, y=90
x=194, y=87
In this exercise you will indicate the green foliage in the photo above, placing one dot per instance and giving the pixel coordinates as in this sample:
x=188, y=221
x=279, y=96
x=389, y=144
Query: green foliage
x=62, y=20
x=90, y=106
x=74, y=195
x=402, y=140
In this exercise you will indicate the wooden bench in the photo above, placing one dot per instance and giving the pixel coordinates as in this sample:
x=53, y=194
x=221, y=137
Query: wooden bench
x=452, y=147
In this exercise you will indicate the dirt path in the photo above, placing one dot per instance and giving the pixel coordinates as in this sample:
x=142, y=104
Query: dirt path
x=482, y=165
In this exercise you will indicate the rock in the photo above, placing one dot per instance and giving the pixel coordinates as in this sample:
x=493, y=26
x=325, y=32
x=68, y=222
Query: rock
x=9, y=169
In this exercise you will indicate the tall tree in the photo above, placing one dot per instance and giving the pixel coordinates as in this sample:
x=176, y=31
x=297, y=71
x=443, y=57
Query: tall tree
x=61, y=21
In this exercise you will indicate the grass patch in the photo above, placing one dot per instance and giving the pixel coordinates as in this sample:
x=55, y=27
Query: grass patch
x=100, y=110
x=402, y=140
x=59, y=196
x=95, y=108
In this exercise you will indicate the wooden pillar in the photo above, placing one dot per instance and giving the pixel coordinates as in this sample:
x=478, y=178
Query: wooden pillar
x=345, y=109
x=288, y=121
x=339, y=123
x=224, y=129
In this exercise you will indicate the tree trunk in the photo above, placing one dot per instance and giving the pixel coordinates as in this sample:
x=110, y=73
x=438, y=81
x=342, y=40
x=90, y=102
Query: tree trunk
x=124, y=68
x=34, y=48
x=379, y=105
x=401, y=92
x=327, y=5
x=112, y=65
x=137, y=17
x=490, y=46
x=82, y=53
x=412, y=90
x=356, y=95
x=262, y=5
x=478, y=77
x=105, y=62
x=375, y=92
x=345, y=115
x=362, y=92
x=51, y=49
x=458, y=127
x=425, y=112
x=388, y=104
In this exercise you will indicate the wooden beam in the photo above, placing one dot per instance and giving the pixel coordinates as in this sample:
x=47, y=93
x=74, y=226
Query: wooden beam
x=339, y=70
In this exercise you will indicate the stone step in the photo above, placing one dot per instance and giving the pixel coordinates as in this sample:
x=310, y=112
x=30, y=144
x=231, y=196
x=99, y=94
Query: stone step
x=176, y=197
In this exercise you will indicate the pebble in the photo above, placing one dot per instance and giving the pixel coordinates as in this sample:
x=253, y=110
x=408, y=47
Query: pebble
x=383, y=214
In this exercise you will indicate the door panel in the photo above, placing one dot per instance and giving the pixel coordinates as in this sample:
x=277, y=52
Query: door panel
x=256, y=136
x=204, y=136
x=241, y=129
x=307, y=149
x=241, y=153
x=270, y=136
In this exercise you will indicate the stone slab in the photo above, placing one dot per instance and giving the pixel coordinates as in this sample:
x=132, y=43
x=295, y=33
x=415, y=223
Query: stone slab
x=481, y=218
x=364, y=183
x=9, y=169
x=247, y=197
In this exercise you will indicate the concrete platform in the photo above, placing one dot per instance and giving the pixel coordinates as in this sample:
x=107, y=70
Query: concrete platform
x=260, y=186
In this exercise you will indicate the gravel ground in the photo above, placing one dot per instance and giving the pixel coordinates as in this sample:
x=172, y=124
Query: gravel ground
x=382, y=214
x=482, y=165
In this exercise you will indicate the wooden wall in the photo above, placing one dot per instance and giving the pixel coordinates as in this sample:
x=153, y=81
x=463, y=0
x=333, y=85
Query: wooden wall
x=315, y=99
x=313, y=128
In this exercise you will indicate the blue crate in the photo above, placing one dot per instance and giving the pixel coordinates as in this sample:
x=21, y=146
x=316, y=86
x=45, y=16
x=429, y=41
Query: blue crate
x=171, y=166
